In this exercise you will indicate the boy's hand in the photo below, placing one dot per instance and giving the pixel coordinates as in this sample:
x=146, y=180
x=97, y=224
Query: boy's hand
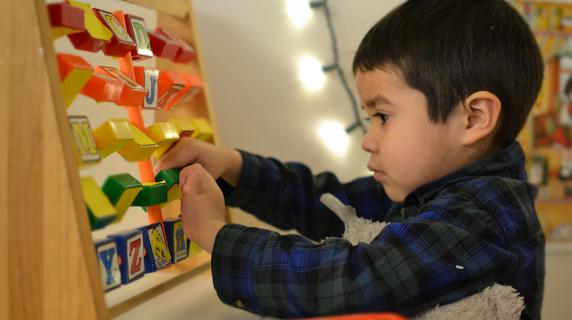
x=202, y=206
x=217, y=161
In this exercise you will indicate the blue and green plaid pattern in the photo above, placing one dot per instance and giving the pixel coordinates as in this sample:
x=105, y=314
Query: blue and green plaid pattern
x=446, y=241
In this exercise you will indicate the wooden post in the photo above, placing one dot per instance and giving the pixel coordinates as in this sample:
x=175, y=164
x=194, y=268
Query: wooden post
x=49, y=268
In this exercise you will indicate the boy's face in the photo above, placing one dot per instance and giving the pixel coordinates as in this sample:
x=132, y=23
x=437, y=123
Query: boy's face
x=406, y=149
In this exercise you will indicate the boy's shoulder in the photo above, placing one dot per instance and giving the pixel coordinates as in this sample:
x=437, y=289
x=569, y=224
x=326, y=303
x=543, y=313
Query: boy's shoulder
x=488, y=192
x=495, y=179
x=501, y=203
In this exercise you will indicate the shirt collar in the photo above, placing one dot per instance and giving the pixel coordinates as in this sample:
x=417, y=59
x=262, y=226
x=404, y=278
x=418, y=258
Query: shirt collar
x=507, y=163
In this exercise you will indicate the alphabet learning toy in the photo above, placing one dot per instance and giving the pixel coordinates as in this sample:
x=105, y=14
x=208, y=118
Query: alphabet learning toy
x=65, y=19
x=157, y=255
x=74, y=74
x=107, y=258
x=85, y=146
x=130, y=248
x=95, y=49
x=95, y=37
x=120, y=43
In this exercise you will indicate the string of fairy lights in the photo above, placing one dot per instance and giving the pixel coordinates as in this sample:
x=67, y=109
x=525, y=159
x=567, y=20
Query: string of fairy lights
x=312, y=73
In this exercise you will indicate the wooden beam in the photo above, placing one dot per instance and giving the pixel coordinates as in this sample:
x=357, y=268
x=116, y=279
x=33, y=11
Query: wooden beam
x=49, y=269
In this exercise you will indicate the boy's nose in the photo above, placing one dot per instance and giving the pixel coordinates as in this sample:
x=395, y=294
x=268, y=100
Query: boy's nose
x=368, y=142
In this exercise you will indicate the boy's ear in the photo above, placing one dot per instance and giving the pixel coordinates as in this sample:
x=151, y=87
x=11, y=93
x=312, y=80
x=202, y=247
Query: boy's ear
x=482, y=113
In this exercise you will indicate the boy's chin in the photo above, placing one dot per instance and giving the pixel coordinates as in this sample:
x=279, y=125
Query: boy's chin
x=394, y=195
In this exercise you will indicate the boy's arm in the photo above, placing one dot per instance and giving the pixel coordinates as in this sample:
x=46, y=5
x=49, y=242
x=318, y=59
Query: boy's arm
x=287, y=196
x=410, y=266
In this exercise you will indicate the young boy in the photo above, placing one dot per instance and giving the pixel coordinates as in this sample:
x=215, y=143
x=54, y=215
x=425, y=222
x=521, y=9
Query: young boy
x=448, y=85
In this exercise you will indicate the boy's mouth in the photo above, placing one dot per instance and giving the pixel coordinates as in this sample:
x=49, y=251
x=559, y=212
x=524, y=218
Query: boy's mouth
x=377, y=174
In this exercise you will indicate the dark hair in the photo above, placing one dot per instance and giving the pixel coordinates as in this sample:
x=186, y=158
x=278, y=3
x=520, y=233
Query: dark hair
x=449, y=49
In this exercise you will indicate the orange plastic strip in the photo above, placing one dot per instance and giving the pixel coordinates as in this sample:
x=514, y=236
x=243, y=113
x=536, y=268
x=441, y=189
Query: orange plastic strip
x=135, y=116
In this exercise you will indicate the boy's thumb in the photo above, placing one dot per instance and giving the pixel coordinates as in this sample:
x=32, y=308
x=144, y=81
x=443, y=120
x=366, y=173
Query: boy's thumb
x=161, y=165
x=195, y=179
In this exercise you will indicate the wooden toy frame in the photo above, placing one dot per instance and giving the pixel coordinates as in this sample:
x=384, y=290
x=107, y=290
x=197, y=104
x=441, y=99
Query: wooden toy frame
x=49, y=267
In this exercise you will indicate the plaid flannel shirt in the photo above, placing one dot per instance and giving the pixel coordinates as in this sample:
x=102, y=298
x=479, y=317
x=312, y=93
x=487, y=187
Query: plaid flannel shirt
x=446, y=241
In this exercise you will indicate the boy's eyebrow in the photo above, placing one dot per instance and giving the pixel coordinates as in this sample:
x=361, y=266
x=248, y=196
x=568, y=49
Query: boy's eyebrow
x=379, y=99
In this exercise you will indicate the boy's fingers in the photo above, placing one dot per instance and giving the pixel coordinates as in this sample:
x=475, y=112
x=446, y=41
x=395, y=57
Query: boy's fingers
x=193, y=179
x=166, y=162
x=184, y=177
x=160, y=166
x=173, y=158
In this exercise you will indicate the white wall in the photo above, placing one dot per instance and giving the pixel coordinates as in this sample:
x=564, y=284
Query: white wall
x=251, y=51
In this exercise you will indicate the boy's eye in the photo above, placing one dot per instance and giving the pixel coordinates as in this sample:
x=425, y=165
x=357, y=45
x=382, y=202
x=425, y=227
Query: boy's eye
x=382, y=116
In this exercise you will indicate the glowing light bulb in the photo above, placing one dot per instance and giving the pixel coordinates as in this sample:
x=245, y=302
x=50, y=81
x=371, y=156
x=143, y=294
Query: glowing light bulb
x=310, y=73
x=299, y=12
x=334, y=136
